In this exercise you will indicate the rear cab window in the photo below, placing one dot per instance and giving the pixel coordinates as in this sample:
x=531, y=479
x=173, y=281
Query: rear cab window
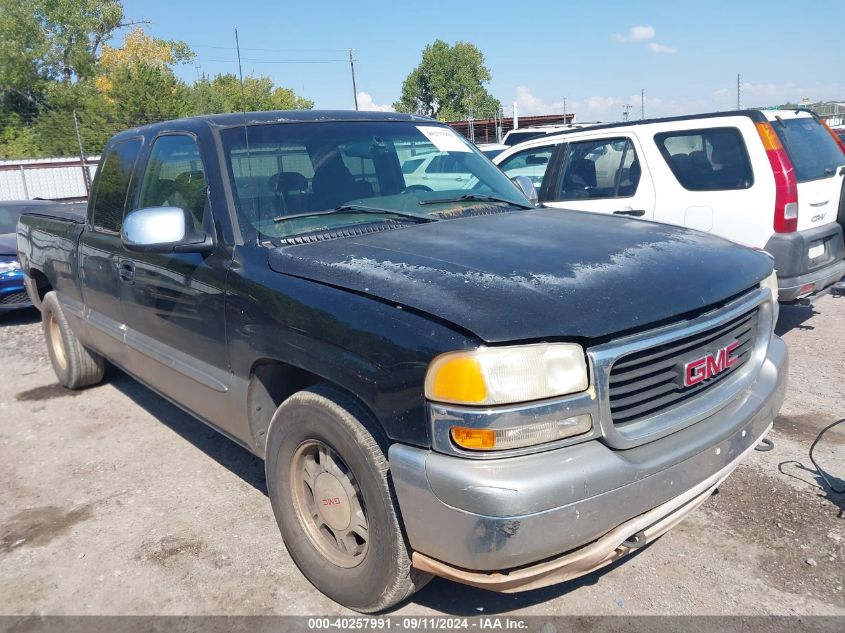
x=109, y=199
x=712, y=159
x=812, y=150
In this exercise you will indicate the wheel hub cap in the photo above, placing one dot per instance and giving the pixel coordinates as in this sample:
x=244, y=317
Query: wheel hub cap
x=329, y=504
x=332, y=501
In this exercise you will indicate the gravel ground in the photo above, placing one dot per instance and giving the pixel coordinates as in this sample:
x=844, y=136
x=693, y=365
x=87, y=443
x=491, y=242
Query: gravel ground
x=113, y=501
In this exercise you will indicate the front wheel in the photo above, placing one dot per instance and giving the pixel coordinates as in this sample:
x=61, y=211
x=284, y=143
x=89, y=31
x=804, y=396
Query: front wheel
x=328, y=482
x=75, y=365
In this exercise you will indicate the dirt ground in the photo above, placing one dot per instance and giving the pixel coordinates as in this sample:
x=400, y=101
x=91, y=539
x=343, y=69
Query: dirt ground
x=113, y=501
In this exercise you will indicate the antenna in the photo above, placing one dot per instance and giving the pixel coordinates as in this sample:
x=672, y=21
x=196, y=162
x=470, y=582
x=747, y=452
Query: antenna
x=246, y=133
x=738, y=94
x=354, y=89
x=642, y=103
x=241, y=75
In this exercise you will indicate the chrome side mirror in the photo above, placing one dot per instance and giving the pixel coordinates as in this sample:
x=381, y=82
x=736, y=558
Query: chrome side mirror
x=163, y=230
x=524, y=184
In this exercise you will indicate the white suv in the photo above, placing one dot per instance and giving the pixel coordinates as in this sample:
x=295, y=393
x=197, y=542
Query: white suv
x=770, y=179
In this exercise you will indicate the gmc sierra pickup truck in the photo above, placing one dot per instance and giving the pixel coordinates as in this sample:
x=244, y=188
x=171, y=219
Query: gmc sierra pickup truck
x=441, y=378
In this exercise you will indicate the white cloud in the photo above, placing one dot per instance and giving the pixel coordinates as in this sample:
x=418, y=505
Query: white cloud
x=654, y=47
x=635, y=34
x=365, y=102
x=644, y=35
x=528, y=104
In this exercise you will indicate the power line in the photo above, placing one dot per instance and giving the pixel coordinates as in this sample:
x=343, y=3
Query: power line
x=272, y=50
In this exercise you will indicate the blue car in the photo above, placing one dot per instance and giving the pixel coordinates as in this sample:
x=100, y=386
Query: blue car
x=12, y=292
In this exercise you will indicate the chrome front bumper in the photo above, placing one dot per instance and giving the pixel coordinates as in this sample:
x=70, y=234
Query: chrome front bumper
x=477, y=521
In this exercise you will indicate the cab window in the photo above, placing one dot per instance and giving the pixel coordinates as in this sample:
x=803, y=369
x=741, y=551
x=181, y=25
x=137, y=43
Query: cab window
x=714, y=159
x=606, y=168
x=109, y=198
x=174, y=176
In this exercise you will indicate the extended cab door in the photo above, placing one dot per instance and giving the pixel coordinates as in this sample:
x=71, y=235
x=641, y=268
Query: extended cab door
x=100, y=249
x=173, y=303
x=604, y=175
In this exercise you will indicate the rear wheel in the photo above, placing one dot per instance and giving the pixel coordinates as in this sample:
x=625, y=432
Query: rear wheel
x=328, y=482
x=75, y=365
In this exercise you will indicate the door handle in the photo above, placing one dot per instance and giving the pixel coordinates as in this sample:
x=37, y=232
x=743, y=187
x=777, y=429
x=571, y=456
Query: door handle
x=819, y=203
x=637, y=213
x=127, y=271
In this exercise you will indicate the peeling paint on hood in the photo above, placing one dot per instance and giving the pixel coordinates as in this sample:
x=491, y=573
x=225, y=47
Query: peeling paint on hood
x=535, y=274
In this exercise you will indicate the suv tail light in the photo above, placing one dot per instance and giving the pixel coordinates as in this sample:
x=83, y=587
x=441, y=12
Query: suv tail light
x=836, y=137
x=786, y=185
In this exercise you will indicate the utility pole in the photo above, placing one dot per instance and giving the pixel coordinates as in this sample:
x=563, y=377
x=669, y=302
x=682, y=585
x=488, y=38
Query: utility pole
x=565, y=120
x=642, y=103
x=626, y=109
x=354, y=87
x=738, y=95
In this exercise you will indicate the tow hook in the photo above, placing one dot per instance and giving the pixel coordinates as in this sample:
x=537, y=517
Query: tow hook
x=635, y=541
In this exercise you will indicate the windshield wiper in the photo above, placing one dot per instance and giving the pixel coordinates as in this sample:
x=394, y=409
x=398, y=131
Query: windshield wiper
x=475, y=197
x=355, y=209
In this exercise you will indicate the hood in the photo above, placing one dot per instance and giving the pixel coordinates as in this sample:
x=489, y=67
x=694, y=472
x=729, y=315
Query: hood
x=8, y=244
x=535, y=274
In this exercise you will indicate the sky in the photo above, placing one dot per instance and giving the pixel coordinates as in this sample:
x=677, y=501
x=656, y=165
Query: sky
x=597, y=56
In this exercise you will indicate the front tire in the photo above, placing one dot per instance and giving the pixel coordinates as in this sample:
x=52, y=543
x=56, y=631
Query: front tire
x=75, y=365
x=328, y=482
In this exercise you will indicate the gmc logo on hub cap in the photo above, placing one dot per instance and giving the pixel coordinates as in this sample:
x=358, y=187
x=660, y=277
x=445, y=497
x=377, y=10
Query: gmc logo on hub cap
x=709, y=365
x=334, y=501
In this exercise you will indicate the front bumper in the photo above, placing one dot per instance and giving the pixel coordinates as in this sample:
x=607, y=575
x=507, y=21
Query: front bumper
x=519, y=523
x=12, y=292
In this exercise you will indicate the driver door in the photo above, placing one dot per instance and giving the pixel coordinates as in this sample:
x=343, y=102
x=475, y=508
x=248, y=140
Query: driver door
x=173, y=303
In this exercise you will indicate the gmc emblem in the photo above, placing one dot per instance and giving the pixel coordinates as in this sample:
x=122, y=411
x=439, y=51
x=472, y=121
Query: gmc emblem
x=334, y=501
x=709, y=365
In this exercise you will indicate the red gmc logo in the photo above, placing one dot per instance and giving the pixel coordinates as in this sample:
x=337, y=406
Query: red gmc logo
x=334, y=501
x=709, y=365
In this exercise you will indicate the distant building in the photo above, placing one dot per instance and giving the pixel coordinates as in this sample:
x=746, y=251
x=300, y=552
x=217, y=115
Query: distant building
x=488, y=130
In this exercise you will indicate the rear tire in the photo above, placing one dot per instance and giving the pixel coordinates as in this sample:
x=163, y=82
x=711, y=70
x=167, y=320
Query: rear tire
x=75, y=365
x=328, y=480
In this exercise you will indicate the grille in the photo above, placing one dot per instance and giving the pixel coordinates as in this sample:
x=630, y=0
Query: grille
x=14, y=298
x=651, y=381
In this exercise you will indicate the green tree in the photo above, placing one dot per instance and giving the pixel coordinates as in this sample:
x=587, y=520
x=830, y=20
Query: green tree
x=51, y=40
x=44, y=43
x=222, y=93
x=448, y=84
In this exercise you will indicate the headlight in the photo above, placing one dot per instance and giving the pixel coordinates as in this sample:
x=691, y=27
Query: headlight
x=9, y=264
x=505, y=375
x=771, y=283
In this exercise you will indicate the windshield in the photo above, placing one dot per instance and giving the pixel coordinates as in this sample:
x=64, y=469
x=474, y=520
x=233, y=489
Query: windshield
x=812, y=150
x=291, y=173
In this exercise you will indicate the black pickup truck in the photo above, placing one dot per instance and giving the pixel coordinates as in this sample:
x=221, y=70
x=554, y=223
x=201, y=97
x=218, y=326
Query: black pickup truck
x=441, y=378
